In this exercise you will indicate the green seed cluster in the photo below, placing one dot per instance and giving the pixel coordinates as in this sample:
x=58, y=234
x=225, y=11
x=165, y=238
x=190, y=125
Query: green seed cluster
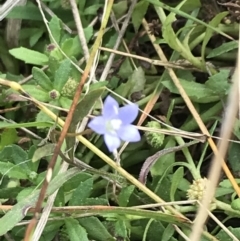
x=69, y=88
x=154, y=139
x=197, y=189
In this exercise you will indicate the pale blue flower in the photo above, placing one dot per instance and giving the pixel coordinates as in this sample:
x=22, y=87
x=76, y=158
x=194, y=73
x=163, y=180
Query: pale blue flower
x=115, y=123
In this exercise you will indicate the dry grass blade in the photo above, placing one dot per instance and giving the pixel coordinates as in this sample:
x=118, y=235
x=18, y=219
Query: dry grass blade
x=226, y=131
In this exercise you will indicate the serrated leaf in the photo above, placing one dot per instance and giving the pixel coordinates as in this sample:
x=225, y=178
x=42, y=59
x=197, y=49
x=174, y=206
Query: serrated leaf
x=42, y=79
x=81, y=193
x=74, y=182
x=17, y=155
x=17, y=213
x=37, y=92
x=82, y=109
x=43, y=151
x=176, y=178
x=224, y=48
x=55, y=27
x=209, y=32
x=29, y=56
x=169, y=34
x=62, y=75
x=96, y=229
x=139, y=13
x=198, y=93
x=75, y=231
x=182, y=47
x=124, y=195
x=121, y=229
x=12, y=171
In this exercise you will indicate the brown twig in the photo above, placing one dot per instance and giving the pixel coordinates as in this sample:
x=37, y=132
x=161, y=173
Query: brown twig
x=52, y=162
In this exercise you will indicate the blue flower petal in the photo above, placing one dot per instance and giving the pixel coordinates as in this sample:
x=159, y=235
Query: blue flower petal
x=110, y=108
x=112, y=142
x=98, y=124
x=128, y=113
x=129, y=133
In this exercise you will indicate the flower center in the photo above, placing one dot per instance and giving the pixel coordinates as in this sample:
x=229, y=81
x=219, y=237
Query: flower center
x=113, y=125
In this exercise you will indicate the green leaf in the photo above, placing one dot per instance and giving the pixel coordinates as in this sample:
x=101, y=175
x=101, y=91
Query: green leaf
x=12, y=192
x=33, y=39
x=209, y=32
x=17, y=155
x=62, y=75
x=82, y=193
x=96, y=229
x=42, y=79
x=121, y=229
x=29, y=124
x=198, y=93
x=218, y=83
x=185, y=15
x=25, y=192
x=29, y=56
x=8, y=137
x=55, y=27
x=30, y=12
x=168, y=233
x=120, y=8
x=42, y=117
x=17, y=213
x=182, y=47
x=12, y=171
x=65, y=102
x=92, y=10
x=43, y=151
x=223, y=236
x=37, y=92
x=139, y=13
x=177, y=177
x=137, y=80
x=124, y=195
x=236, y=204
x=126, y=69
x=224, y=48
x=233, y=157
x=82, y=109
x=72, y=46
x=75, y=231
x=164, y=162
x=74, y=182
